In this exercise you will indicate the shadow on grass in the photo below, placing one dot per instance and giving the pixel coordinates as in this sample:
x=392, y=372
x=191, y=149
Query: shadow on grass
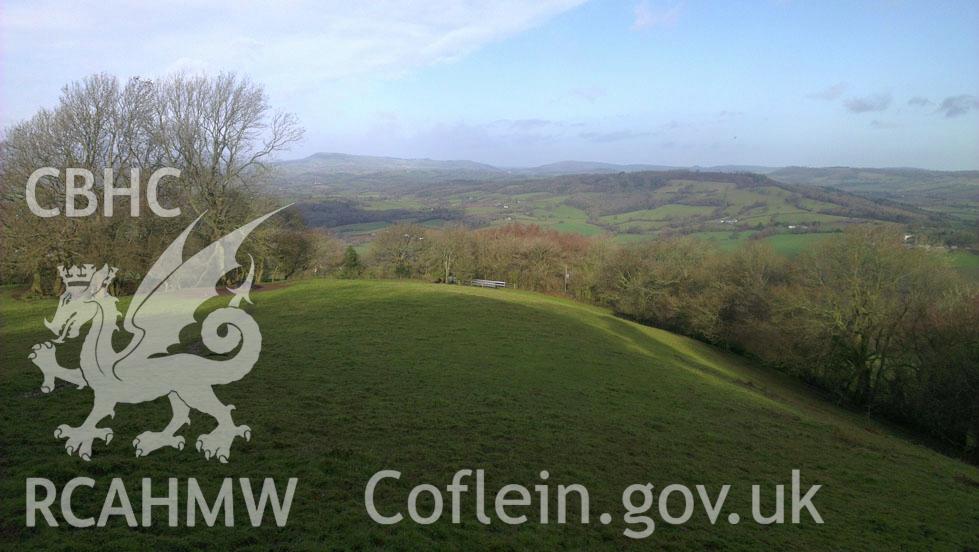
x=360, y=376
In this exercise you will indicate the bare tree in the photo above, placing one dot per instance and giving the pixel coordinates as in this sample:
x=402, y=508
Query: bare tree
x=221, y=133
x=448, y=250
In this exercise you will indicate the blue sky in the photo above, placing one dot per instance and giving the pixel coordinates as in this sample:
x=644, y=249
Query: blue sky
x=695, y=82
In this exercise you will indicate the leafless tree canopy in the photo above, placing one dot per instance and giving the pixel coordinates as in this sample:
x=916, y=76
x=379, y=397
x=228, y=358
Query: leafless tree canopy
x=219, y=131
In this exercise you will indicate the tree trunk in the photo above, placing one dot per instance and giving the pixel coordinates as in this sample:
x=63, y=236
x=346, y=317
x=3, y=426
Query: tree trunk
x=975, y=432
x=36, y=287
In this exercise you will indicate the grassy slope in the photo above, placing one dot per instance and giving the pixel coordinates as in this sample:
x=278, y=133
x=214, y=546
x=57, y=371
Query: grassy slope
x=360, y=376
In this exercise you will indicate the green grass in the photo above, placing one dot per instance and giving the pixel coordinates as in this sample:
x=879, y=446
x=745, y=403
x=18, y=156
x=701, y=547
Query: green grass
x=664, y=212
x=638, y=204
x=791, y=245
x=966, y=263
x=356, y=377
x=803, y=217
x=727, y=241
x=361, y=228
x=568, y=212
x=964, y=259
x=561, y=217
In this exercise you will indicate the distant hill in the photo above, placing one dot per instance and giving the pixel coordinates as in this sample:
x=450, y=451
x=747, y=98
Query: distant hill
x=365, y=164
x=952, y=192
x=678, y=201
x=360, y=194
x=887, y=180
x=342, y=169
x=758, y=169
x=584, y=167
x=329, y=172
x=729, y=207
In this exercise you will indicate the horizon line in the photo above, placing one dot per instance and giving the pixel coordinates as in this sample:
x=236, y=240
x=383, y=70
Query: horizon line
x=665, y=166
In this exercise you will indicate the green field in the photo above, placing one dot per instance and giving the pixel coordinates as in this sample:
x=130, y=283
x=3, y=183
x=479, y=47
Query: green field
x=666, y=212
x=727, y=241
x=964, y=259
x=726, y=208
x=360, y=228
x=357, y=377
x=966, y=263
x=791, y=245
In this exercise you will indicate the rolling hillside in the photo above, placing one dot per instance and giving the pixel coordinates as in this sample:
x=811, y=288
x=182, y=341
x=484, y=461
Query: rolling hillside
x=331, y=172
x=341, y=170
x=358, y=195
x=357, y=376
x=888, y=181
x=656, y=202
x=725, y=207
x=953, y=192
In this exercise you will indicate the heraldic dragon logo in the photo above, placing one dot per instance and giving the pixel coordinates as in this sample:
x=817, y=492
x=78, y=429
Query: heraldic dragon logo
x=144, y=370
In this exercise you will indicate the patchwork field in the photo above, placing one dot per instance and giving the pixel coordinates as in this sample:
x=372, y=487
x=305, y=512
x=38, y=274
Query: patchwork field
x=723, y=207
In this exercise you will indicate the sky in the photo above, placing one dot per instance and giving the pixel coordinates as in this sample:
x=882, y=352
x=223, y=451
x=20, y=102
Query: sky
x=872, y=83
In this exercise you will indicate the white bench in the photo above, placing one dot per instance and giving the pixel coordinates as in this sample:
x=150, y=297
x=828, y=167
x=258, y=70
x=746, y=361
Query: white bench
x=488, y=283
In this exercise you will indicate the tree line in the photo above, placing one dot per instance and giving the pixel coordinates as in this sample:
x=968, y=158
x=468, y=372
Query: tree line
x=220, y=132
x=876, y=325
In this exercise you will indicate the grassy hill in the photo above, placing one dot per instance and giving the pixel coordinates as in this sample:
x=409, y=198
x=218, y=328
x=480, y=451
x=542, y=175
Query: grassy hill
x=886, y=181
x=657, y=202
x=356, y=377
x=955, y=193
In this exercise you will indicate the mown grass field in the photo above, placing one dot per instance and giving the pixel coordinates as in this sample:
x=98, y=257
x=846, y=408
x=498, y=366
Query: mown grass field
x=359, y=376
x=966, y=263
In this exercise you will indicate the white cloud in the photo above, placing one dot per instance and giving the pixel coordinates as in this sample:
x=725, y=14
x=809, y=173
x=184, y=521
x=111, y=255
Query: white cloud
x=646, y=16
x=294, y=45
x=339, y=39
